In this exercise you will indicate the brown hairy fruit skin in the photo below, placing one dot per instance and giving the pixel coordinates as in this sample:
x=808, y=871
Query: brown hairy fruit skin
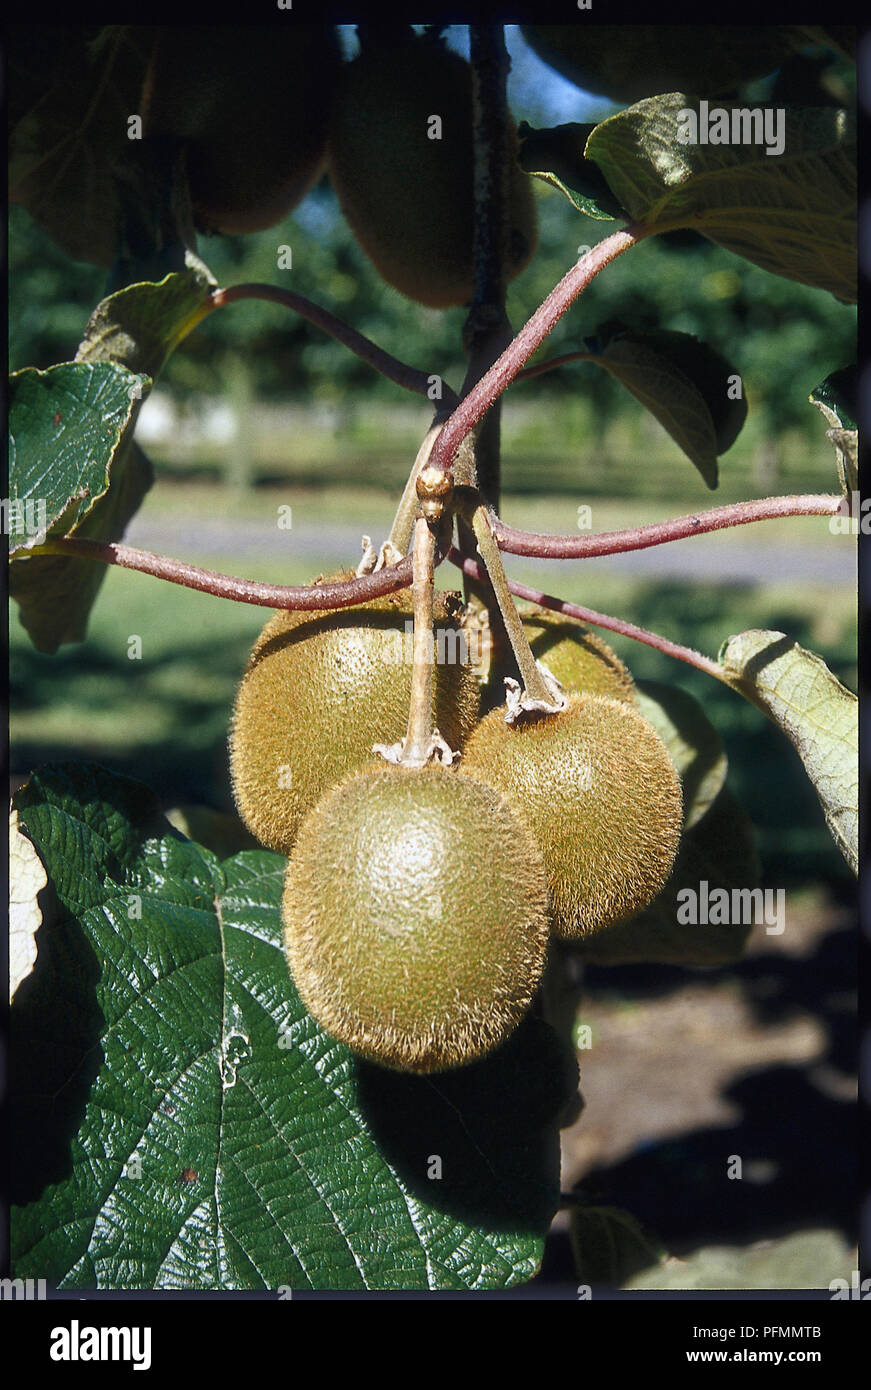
x=250, y=104
x=409, y=199
x=582, y=662
x=415, y=917
x=320, y=689
x=598, y=790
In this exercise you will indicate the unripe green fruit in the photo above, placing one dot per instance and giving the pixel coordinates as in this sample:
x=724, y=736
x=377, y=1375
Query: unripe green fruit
x=321, y=688
x=596, y=787
x=415, y=917
x=410, y=198
x=581, y=661
x=250, y=105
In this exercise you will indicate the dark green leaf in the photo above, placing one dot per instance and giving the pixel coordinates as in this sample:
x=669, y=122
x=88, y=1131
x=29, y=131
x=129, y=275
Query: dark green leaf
x=160, y=1034
x=557, y=157
x=629, y=61
x=65, y=427
x=72, y=95
x=839, y=394
x=837, y=400
x=792, y=213
x=686, y=384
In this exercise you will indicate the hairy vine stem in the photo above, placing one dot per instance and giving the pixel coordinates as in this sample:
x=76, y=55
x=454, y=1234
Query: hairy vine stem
x=546, y=547
x=409, y=377
x=343, y=594
x=506, y=367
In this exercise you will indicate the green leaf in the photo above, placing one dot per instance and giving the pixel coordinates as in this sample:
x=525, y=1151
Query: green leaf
x=143, y=324
x=819, y=716
x=803, y=1260
x=72, y=92
x=685, y=384
x=838, y=397
x=65, y=428
x=837, y=400
x=630, y=61
x=181, y=1122
x=73, y=425
x=556, y=156
x=793, y=213
x=693, y=744
x=707, y=909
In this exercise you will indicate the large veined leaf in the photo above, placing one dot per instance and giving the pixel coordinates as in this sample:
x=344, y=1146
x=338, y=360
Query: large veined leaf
x=686, y=385
x=181, y=1122
x=72, y=447
x=65, y=428
x=143, y=324
x=793, y=213
x=72, y=93
x=819, y=716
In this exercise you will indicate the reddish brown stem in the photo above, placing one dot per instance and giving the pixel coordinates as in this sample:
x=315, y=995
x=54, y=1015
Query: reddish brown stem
x=545, y=547
x=338, y=595
x=533, y=333
x=589, y=615
x=383, y=362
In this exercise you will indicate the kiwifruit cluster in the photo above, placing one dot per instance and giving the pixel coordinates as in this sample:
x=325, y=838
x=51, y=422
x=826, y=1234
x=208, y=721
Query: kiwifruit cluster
x=418, y=902
x=249, y=108
x=407, y=187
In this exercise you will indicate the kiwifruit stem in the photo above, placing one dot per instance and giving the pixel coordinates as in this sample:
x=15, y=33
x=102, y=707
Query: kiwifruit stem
x=418, y=738
x=533, y=681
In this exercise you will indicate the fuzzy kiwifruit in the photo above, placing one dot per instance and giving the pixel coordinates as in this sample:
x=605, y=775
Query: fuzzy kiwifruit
x=599, y=792
x=582, y=662
x=409, y=197
x=415, y=916
x=320, y=689
x=250, y=106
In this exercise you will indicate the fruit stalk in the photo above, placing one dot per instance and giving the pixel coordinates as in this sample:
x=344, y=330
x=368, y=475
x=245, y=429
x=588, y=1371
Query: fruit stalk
x=418, y=739
x=534, y=684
